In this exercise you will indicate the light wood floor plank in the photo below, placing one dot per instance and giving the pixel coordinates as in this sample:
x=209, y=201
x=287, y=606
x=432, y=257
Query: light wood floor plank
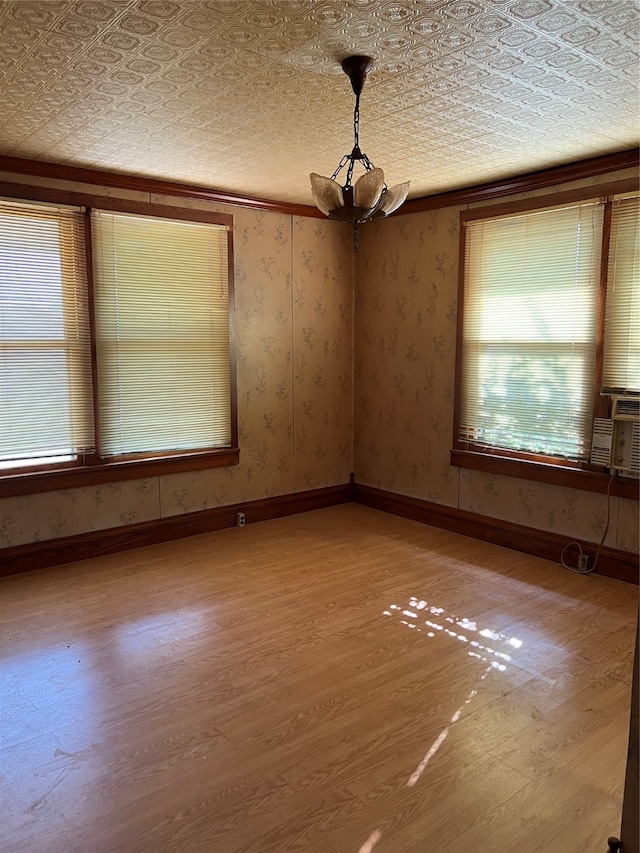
x=341, y=681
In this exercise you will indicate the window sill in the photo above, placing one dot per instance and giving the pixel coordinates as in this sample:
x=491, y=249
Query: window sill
x=72, y=478
x=556, y=475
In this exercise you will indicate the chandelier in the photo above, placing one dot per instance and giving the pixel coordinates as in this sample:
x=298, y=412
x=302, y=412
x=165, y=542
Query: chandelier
x=369, y=198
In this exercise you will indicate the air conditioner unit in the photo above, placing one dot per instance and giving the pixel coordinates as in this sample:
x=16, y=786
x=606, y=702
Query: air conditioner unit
x=616, y=440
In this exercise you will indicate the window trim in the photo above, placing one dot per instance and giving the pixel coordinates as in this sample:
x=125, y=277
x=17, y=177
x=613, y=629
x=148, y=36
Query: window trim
x=568, y=473
x=91, y=470
x=544, y=472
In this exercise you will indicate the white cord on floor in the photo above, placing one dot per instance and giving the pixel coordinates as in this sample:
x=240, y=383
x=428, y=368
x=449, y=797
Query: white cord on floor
x=581, y=553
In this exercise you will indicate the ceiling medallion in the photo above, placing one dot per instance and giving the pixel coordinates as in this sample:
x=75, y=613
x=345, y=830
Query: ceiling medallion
x=369, y=198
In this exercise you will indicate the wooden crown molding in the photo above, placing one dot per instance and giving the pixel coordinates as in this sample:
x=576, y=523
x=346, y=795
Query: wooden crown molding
x=525, y=183
x=57, y=171
x=494, y=189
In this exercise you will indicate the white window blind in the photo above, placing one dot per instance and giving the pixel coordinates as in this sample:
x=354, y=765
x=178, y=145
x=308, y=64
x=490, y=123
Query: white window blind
x=529, y=331
x=45, y=358
x=162, y=334
x=621, y=369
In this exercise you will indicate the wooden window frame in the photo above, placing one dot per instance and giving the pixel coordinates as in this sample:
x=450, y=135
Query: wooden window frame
x=529, y=466
x=90, y=469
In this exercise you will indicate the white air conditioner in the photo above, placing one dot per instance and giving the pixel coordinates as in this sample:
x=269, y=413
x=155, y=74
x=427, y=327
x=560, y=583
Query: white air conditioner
x=616, y=440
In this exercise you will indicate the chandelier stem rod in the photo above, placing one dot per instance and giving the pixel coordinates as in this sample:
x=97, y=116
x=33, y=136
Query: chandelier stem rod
x=356, y=123
x=356, y=140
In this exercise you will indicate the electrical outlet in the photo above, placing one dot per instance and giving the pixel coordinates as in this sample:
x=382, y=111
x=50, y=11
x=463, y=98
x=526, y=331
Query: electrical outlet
x=240, y=520
x=583, y=562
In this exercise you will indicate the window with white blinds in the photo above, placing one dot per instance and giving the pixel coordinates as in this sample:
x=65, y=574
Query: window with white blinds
x=529, y=334
x=127, y=361
x=622, y=324
x=46, y=414
x=162, y=334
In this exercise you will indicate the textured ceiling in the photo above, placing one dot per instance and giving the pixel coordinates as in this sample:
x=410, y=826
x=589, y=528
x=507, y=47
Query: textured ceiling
x=248, y=97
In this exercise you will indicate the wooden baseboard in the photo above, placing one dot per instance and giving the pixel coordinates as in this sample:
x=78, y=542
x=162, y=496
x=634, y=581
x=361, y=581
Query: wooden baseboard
x=39, y=555
x=69, y=549
x=612, y=563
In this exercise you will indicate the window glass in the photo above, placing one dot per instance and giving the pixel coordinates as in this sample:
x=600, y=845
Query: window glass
x=529, y=334
x=162, y=334
x=130, y=361
x=622, y=339
x=45, y=368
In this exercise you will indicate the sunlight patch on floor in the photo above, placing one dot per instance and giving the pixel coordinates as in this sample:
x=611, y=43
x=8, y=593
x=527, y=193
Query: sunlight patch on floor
x=371, y=841
x=439, y=622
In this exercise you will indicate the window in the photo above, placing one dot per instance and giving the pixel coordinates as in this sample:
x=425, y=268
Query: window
x=622, y=338
x=45, y=361
x=162, y=348
x=534, y=287
x=114, y=340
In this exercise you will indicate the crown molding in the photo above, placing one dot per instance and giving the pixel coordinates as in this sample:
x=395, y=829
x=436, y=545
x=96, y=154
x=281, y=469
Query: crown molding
x=137, y=183
x=495, y=189
x=524, y=183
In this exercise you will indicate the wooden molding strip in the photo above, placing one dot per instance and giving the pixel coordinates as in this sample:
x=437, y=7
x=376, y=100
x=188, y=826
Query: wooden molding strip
x=612, y=562
x=524, y=183
x=482, y=192
x=69, y=549
x=549, y=200
x=37, y=482
x=41, y=169
x=39, y=555
x=572, y=478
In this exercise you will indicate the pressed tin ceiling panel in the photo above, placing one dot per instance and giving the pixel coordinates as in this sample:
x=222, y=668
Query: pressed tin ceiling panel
x=248, y=97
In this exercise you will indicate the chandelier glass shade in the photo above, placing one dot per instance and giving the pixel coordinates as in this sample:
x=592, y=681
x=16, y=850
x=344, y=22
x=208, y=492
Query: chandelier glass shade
x=369, y=197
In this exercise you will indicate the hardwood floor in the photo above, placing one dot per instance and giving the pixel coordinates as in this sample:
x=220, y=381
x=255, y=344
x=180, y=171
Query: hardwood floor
x=341, y=681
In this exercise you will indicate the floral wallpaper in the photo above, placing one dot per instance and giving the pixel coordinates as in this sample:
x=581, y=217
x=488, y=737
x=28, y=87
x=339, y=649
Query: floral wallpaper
x=405, y=333
x=322, y=356
x=303, y=421
x=293, y=294
x=405, y=337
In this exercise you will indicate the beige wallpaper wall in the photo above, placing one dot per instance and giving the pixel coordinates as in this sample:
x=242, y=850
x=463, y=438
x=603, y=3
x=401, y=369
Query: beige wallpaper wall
x=405, y=332
x=294, y=346
x=293, y=285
